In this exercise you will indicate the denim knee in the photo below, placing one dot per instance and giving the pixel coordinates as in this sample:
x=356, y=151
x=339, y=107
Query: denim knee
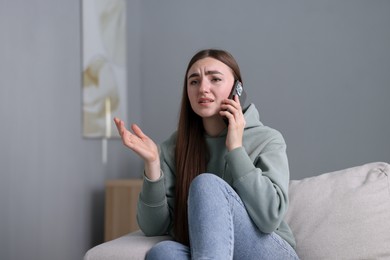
x=204, y=182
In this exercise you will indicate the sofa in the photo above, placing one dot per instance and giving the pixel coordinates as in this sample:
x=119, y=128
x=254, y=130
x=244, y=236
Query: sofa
x=338, y=215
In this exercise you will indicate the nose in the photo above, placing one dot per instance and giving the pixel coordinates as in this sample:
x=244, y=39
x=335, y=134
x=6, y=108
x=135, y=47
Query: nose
x=204, y=86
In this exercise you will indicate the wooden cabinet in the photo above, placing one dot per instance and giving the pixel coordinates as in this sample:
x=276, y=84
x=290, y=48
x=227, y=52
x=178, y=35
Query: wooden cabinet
x=121, y=198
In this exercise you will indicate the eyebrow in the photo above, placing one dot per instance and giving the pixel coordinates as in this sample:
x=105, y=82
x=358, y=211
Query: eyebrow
x=209, y=72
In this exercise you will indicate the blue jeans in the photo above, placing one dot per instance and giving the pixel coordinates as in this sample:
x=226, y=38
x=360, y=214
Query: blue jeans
x=220, y=228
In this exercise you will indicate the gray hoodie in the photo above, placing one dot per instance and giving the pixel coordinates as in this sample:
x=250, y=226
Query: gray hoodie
x=258, y=172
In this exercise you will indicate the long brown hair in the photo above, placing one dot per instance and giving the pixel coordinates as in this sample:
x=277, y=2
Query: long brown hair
x=191, y=149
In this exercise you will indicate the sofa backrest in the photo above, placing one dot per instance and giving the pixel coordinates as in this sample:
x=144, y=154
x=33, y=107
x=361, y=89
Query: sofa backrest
x=343, y=214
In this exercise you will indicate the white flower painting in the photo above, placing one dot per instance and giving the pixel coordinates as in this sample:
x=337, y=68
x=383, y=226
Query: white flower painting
x=104, y=66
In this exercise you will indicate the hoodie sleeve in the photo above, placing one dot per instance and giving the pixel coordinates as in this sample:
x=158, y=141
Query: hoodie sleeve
x=262, y=183
x=155, y=202
x=152, y=212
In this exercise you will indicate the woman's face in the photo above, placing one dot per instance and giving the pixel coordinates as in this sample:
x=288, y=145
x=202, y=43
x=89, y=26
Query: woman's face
x=209, y=81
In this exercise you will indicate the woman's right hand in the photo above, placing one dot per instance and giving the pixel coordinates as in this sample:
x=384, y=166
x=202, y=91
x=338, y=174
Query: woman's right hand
x=142, y=145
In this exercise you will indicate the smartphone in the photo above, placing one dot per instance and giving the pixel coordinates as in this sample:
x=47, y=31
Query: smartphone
x=239, y=91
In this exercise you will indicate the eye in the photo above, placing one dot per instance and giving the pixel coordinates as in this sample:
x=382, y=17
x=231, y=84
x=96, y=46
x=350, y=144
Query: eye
x=193, y=82
x=215, y=79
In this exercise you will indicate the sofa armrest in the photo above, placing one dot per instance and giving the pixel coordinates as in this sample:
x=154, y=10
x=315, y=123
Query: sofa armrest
x=131, y=246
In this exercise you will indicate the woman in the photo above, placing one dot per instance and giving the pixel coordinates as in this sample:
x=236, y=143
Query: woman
x=219, y=189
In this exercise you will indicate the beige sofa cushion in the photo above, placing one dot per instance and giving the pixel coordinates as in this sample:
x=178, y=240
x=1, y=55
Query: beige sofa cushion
x=131, y=246
x=343, y=214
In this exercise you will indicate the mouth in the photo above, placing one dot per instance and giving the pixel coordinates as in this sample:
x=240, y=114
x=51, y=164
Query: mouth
x=205, y=100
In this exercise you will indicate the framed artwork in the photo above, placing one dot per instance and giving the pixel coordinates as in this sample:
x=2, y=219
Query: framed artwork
x=104, y=80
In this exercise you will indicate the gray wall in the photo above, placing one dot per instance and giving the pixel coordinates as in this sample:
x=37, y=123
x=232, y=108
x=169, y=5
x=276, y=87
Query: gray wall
x=317, y=71
x=52, y=180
